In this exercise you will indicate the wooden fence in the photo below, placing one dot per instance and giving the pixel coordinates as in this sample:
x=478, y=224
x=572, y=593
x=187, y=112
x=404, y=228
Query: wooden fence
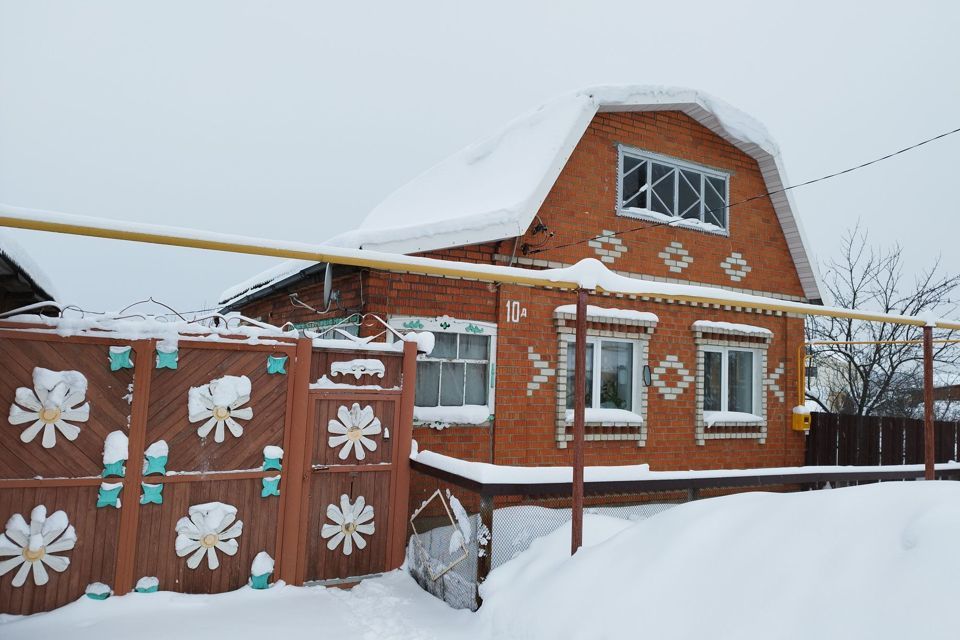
x=167, y=506
x=841, y=439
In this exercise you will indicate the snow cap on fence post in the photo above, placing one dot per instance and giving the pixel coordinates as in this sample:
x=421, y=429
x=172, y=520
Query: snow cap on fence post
x=98, y=591
x=261, y=570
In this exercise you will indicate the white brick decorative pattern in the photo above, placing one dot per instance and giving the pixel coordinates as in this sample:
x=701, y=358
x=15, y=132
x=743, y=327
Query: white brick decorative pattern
x=671, y=366
x=675, y=257
x=736, y=267
x=637, y=331
x=608, y=246
x=543, y=371
x=772, y=382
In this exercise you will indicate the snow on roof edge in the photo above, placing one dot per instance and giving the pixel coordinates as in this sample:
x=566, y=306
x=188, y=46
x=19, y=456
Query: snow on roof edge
x=514, y=215
x=22, y=260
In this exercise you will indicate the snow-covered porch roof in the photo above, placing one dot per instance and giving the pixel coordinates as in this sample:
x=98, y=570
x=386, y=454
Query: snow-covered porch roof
x=492, y=189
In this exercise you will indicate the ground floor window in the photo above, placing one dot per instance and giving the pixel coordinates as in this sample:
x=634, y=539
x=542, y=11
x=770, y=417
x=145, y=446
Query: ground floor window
x=456, y=373
x=455, y=381
x=612, y=387
x=731, y=379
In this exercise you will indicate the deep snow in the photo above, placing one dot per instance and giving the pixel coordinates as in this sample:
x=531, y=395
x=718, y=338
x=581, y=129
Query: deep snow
x=876, y=562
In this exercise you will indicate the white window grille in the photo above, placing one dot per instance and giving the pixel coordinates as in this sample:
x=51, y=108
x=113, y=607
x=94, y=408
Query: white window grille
x=654, y=186
x=460, y=370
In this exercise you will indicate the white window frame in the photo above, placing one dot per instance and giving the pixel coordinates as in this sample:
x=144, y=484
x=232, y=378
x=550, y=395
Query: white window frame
x=445, y=324
x=637, y=374
x=676, y=164
x=758, y=355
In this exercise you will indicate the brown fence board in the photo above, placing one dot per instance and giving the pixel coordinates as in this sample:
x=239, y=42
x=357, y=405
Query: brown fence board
x=392, y=364
x=109, y=408
x=326, y=410
x=326, y=488
x=91, y=560
x=168, y=415
x=156, y=553
x=840, y=439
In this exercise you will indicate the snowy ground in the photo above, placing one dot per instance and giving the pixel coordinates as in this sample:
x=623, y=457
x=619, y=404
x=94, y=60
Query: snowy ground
x=387, y=608
x=873, y=562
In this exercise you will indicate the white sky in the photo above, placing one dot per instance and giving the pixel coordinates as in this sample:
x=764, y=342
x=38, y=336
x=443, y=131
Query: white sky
x=291, y=120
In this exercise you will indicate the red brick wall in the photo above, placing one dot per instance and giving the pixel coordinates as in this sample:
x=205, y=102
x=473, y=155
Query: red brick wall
x=583, y=203
x=525, y=425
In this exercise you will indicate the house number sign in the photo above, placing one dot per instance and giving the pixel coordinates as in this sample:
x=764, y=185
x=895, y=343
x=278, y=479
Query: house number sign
x=515, y=312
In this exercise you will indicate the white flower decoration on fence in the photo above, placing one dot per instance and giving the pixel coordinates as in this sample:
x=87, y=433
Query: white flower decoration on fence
x=352, y=429
x=219, y=404
x=209, y=527
x=32, y=545
x=55, y=398
x=351, y=521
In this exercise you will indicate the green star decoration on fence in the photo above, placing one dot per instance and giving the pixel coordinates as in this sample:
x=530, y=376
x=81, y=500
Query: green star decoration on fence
x=115, y=469
x=109, y=495
x=167, y=359
x=120, y=358
x=260, y=582
x=271, y=463
x=152, y=493
x=271, y=487
x=155, y=465
x=276, y=364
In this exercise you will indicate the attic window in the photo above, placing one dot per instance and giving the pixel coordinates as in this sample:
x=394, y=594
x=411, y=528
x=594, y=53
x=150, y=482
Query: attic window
x=661, y=188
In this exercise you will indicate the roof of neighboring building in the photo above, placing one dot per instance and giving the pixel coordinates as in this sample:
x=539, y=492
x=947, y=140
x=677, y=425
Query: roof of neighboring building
x=492, y=189
x=21, y=277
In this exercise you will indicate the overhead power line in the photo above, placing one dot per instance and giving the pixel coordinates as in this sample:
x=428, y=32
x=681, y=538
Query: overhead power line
x=765, y=194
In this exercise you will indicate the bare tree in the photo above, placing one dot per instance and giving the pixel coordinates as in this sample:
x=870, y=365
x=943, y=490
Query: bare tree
x=879, y=379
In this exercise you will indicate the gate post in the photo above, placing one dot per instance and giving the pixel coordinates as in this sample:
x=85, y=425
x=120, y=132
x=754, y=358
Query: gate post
x=294, y=476
x=400, y=491
x=136, y=441
x=928, y=444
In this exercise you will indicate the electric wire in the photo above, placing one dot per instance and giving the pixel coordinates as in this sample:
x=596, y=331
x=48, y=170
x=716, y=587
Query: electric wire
x=652, y=225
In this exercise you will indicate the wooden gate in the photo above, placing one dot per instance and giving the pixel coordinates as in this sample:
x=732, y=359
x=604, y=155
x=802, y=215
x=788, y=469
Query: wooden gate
x=150, y=512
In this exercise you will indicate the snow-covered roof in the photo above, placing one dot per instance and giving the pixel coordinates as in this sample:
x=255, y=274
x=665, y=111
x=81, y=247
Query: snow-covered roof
x=492, y=189
x=20, y=259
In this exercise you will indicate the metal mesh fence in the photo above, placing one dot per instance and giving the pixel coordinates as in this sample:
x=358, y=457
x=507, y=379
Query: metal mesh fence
x=446, y=553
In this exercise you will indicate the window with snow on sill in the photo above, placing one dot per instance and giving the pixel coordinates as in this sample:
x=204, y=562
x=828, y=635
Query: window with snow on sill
x=607, y=417
x=711, y=418
x=443, y=417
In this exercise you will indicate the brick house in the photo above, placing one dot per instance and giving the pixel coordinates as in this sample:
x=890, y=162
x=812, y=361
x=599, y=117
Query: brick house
x=679, y=386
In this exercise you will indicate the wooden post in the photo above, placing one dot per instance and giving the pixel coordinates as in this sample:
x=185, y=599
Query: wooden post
x=400, y=492
x=294, y=478
x=485, y=561
x=579, y=409
x=130, y=500
x=928, y=444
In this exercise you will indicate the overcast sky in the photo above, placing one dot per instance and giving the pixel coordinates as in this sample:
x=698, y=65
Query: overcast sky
x=291, y=120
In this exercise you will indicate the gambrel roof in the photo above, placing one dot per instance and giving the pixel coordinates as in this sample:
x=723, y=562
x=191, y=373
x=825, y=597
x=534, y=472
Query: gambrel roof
x=493, y=189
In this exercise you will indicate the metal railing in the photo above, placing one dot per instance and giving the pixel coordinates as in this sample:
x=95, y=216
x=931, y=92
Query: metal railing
x=506, y=518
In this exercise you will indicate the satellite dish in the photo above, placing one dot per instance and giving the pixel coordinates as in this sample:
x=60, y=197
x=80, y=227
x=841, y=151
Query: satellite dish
x=327, y=285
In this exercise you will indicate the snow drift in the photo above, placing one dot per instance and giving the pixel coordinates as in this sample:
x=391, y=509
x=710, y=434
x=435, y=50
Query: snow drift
x=873, y=562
